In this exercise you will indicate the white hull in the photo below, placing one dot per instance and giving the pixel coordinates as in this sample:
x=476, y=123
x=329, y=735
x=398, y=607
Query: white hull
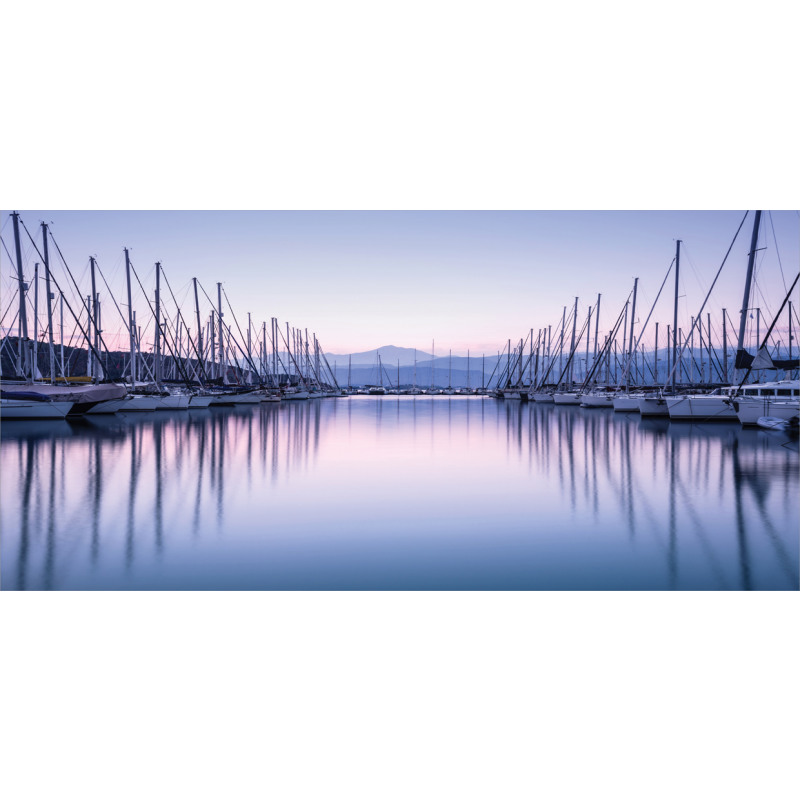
x=200, y=401
x=107, y=407
x=140, y=402
x=701, y=408
x=173, y=402
x=32, y=409
x=247, y=399
x=567, y=399
x=777, y=424
x=541, y=397
x=653, y=407
x=626, y=404
x=749, y=411
x=597, y=401
x=295, y=396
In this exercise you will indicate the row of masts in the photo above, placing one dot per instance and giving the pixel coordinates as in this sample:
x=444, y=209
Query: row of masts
x=214, y=353
x=555, y=359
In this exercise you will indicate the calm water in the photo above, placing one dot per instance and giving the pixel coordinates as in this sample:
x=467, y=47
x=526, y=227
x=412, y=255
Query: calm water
x=388, y=493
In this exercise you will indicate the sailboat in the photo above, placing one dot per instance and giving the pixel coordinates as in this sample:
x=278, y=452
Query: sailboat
x=31, y=397
x=379, y=389
x=718, y=405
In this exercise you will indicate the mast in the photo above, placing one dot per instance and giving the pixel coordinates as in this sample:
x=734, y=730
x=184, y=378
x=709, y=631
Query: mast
x=630, y=334
x=725, y=344
x=131, y=326
x=89, y=362
x=35, y=366
x=467, y=369
x=596, y=329
x=433, y=357
x=450, y=370
x=50, y=296
x=739, y=363
x=63, y=374
x=675, y=312
x=561, y=345
x=380, y=371
x=588, y=337
x=22, y=362
x=157, y=348
x=249, y=353
x=572, y=342
x=220, y=335
x=415, y=358
x=349, y=371
x=199, y=329
x=264, y=362
x=655, y=361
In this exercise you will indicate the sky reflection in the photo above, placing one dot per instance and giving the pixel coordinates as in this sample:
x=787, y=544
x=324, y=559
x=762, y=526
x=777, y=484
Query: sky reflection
x=396, y=493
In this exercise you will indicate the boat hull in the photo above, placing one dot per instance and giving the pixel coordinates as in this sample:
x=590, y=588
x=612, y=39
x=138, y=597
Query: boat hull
x=749, y=411
x=700, y=408
x=626, y=404
x=33, y=409
x=567, y=399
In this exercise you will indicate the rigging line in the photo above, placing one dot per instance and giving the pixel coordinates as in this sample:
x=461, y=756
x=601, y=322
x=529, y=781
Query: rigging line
x=188, y=331
x=13, y=299
x=179, y=364
x=127, y=328
x=233, y=314
x=774, y=321
x=53, y=278
x=63, y=261
x=700, y=312
x=644, y=327
x=777, y=252
x=6, y=249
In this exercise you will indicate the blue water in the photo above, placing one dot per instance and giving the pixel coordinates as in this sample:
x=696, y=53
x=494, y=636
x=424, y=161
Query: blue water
x=396, y=493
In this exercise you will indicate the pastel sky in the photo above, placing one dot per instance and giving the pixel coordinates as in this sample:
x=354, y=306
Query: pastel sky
x=363, y=279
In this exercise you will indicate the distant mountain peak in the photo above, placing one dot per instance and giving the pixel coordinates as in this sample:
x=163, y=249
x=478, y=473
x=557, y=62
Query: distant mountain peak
x=389, y=353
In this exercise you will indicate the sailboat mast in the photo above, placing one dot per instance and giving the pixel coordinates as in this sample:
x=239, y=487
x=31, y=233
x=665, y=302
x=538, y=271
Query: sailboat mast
x=739, y=363
x=61, y=306
x=630, y=334
x=35, y=368
x=157, y=349
x=131, y=328
x=596, y=329
x=50, y=296
x=572, y=341
x=96, y=367
x=220, y=334
x=22, y=366
x=655, y=359
x=199, y=329
x=675, y=312
x=725, y=343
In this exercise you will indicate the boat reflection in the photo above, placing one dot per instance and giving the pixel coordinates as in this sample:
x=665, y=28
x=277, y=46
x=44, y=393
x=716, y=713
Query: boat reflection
x=412, y=491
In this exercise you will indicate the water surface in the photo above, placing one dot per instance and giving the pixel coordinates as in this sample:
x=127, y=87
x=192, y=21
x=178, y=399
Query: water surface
x=396, y=493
